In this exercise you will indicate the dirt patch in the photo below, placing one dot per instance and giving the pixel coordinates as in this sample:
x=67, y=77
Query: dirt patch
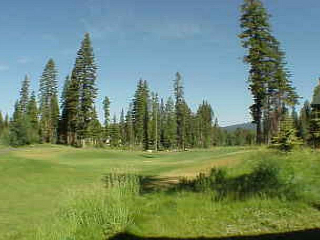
x=39, y=154
x=228, y=160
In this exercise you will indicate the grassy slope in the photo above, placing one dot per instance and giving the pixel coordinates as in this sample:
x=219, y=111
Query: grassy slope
x=33, y=179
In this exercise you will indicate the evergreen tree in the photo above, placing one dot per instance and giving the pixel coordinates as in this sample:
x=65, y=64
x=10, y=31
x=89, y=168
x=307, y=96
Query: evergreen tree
x=85, y=74
x=106, y=108
x=49, y=107
x=280, y=93
x=170, y=125
x=162, y=116
x=114, y=133
x=180, y=111
x=95, y=130
x=122, y=130
x=287, y=136
x=79, y=96
x=129, y=133
x=256, y=37
x=189, y=119
x=71, y=110
x=32, y=119
x=54, y=119
x=140, y=114
x=304, y=121
x=1, y=123
x=216, y=138
x=145, y=97
x=205, y=118
x=24, y=95
x=268, y=79
x=314, y=127
x=154, y=129
x=21, y=130
x=6, y=121
x=18, y=127
x=4, y=129
x=63, y=121
x=295, y=118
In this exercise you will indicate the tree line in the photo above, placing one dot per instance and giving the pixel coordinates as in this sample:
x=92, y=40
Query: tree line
x=152, y=122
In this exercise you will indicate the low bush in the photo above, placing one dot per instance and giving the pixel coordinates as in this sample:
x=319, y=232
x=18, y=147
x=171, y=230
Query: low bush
x=267, y=178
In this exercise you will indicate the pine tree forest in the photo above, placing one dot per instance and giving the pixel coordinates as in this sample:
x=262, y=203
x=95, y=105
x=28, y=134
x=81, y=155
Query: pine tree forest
x=152, y=122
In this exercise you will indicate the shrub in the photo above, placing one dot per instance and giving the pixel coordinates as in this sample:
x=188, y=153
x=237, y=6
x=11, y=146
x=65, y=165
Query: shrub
x=202, y=183
x=267, y=178
x=287, y=138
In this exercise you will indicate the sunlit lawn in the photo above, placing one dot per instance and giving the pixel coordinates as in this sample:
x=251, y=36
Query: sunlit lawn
x=34, y=179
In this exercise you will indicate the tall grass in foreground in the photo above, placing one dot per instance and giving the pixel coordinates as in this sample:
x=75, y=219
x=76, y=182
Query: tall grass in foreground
x=94, y=212
x=269, y=192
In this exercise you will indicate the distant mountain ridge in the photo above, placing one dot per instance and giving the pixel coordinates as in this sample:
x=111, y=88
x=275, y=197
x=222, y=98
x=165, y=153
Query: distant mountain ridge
x=248, y=126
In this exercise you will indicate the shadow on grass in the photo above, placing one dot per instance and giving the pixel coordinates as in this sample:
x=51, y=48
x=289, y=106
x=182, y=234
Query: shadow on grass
x=146, y=184
x=267, y=178
x=149, y=184
x=313, y=234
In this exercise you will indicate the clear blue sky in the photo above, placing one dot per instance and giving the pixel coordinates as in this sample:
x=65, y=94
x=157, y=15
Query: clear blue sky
x=153, y=39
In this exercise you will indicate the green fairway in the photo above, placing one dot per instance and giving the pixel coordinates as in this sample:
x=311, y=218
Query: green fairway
x=33, y=179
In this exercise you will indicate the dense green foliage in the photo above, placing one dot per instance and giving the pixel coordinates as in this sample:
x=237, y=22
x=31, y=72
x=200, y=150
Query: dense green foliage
x=268, y=79
x=304, y=121
x=106, y=109
x=314, y=120
x=24, y=124
x=48, y=104
x=287, y=138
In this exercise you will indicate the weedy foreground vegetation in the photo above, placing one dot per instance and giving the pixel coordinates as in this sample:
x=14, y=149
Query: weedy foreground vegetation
x=52, y=192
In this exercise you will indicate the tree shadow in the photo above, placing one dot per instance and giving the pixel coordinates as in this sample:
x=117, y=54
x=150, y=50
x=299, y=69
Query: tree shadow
x=312, y=234
x=239, y=186
x=266, y=179
x=149, y=184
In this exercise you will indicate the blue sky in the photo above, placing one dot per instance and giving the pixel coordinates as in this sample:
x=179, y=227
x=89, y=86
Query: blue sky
x=153, y=39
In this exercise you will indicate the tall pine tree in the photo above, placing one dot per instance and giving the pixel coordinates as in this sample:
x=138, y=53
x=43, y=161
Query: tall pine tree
x=24, y=95
x=180, y=110
x=140, y=114
x=85, y=74
x=106, y=108
x=268, y=79
x=304, y=121
x=49, y=106
x=314, y=127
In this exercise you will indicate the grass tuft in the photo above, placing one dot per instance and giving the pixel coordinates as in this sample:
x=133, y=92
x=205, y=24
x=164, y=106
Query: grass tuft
x=93, y=212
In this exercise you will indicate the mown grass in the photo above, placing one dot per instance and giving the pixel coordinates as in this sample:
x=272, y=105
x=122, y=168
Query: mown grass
x=286, y=194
